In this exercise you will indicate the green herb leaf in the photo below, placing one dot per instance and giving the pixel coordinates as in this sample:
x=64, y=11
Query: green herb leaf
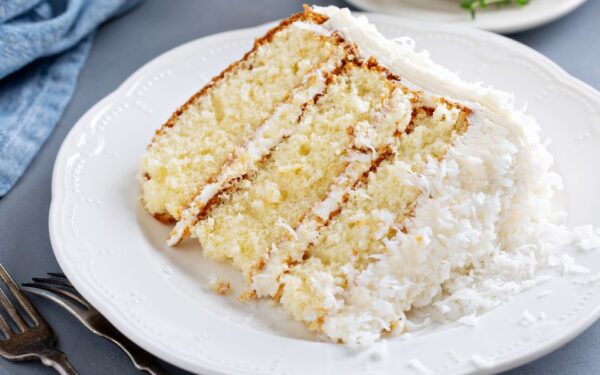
x=473, y=5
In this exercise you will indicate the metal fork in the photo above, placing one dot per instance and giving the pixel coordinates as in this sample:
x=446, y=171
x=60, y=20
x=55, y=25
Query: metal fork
x=59, y=289
x=28, y=342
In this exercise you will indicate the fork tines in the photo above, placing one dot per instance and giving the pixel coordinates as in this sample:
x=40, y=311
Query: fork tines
x=58, y=274
x=61, y=287
x=12, y=310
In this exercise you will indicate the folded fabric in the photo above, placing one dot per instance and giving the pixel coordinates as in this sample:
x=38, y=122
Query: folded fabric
x=43, y=46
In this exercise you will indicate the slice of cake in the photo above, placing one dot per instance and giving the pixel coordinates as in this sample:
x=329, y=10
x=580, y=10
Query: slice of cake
x=356, y=182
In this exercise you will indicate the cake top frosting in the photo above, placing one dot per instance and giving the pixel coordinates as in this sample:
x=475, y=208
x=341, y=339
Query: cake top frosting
x=484, y=228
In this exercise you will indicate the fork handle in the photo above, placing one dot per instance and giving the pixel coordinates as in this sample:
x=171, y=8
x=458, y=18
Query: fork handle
x=58, y=361
x=141, y=359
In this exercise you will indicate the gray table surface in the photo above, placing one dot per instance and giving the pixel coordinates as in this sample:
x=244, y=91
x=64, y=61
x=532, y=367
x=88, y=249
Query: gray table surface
x=125, y=44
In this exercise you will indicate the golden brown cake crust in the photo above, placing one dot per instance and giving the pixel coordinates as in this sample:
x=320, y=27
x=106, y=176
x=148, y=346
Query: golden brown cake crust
x=164, y=218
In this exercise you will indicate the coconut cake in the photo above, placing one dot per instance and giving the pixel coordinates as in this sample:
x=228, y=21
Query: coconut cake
x=356, y=182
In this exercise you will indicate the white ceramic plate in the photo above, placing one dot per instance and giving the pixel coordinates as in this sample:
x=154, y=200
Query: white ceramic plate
x=505, y=20
x=114, y=252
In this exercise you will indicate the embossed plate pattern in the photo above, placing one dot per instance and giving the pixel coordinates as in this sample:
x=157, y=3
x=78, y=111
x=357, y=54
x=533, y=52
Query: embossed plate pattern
x=113, y=251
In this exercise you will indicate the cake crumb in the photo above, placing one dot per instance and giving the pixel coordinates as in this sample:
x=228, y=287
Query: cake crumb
x=219, y=286
x=247, y=296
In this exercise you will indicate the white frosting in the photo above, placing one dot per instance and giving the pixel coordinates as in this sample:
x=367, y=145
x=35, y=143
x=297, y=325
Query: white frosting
x=324, y=208
x=208, y=192
x=485, y=208
x=315, y=28
x=402, y=58
x=286, y=226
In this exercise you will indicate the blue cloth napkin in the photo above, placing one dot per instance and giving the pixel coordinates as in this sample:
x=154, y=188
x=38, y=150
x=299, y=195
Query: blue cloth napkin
x=43, y=46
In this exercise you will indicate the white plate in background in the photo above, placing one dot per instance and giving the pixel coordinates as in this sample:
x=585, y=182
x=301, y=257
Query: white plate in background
x=114, y=252
x=504, y=20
